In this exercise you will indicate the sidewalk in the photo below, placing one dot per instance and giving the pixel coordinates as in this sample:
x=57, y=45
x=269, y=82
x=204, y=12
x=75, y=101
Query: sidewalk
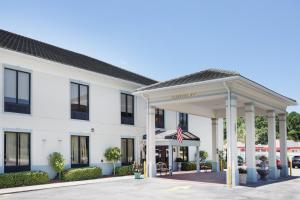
x=57, y=185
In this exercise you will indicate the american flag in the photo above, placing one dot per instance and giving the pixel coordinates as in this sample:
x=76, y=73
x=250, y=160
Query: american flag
x=179, y=134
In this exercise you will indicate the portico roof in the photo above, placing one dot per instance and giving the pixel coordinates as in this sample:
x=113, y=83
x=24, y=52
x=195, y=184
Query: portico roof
x=204, y=93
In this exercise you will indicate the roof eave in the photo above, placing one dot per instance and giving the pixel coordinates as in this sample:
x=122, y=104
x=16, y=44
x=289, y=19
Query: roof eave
x=143, y=90
x=286, y=100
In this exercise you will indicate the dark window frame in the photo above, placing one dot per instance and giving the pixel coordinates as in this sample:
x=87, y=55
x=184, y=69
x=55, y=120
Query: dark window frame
x=133, y=156
x=79, y=165
x=159, y=118
x=125, y=118
x=185, y=153
x=185, y=126
x=79, y=114
x=16, y=107
x=17, y=168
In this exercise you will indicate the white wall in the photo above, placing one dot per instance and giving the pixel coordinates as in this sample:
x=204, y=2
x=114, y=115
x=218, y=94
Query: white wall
x=49, y=122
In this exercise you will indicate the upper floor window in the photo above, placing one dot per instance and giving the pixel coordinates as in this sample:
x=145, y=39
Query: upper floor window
x=159, y=118
x=16, y=152
x=79, y=101
x=16, y=91
x=127, y=109
x=183, y=121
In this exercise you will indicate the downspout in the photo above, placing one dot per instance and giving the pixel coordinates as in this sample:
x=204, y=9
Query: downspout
x=229, y=171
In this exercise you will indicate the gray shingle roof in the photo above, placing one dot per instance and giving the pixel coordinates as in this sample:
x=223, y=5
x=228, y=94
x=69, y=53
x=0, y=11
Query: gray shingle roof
x=46, y=51
x=205, y=75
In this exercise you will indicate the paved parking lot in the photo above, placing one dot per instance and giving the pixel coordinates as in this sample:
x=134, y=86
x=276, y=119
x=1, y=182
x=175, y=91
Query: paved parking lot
x=159, y=188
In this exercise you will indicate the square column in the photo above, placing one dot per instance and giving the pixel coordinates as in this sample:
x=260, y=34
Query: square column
x=250, y=142
x=283, y=147
x=197, y=159
x=170, y=158
x=150, y=154
x=272, y=144
x=231, y=121
x=214, y=156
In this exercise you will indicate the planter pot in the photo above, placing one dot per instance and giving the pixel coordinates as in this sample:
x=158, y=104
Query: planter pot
x=243, y=179
x=263, y=174
x=137, y=175
x=179, y=166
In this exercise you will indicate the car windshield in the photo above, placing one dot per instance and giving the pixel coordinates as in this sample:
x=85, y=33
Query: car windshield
x=296, y=158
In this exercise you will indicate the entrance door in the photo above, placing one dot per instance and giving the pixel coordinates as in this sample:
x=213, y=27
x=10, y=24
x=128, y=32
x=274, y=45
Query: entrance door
x=162, y=154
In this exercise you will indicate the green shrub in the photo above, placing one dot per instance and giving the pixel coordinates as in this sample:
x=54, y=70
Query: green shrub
x=57, y=163
x=242, y=171
x=23, y=178
x=206, y=165
x=188, y=166
x=78, y=174
x=124, y=170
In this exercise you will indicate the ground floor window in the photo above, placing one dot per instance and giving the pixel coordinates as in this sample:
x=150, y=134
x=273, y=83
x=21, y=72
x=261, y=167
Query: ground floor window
x=79, y=151
x=184, y=153
x=127, y=151
x=16, y=152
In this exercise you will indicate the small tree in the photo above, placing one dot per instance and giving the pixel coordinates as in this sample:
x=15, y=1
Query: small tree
x=57, y=162
x=203, y=156
x=113, y=155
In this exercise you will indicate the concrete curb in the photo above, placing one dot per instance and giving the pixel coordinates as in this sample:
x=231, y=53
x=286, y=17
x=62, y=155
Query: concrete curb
x=58, y=185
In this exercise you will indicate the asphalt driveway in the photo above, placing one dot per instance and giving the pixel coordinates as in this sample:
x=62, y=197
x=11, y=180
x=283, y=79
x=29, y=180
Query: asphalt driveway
x=160, y=188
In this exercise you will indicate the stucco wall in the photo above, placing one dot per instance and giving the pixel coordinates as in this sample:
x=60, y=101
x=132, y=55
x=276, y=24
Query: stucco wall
x=49, y=122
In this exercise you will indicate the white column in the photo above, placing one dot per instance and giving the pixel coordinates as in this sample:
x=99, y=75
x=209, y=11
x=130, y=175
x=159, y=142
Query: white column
x=283, y=147
x=197, y=159
x=170, y=160
x=150, y=157
x=231, y=119
x=215, y=162
x=272, y=144
x=250, y=143
x=220, y=134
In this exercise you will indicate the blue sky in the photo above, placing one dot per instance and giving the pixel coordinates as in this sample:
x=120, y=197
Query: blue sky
x=164, y=39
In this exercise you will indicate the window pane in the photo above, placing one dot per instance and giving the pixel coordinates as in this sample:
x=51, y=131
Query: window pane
x=84, y=150
x=10, y=148
x=23, y=88
x=123, y=151
x=130, y=156
x=74, y=150
x=24, y=149
x=83, y=95
x=74, y=96
x=123, y=103
x=10, y=86
x=130, y=104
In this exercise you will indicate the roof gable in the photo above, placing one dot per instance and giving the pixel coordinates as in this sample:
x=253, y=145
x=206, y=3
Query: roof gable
x=209, y=74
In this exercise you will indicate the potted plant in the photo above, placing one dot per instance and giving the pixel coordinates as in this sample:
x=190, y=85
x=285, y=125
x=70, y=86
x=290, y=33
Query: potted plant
x=263, y=169
x=137, y=170
x=242, y=175
x=179, y=161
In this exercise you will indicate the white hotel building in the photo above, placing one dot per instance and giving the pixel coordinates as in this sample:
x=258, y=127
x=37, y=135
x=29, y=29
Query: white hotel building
x=55, y=100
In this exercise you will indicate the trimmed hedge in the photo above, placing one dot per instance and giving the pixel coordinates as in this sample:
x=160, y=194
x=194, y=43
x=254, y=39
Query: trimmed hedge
x=188, y=166
x=23, y=179
x=124, y=170
x=77, y=174
x=206, y=166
